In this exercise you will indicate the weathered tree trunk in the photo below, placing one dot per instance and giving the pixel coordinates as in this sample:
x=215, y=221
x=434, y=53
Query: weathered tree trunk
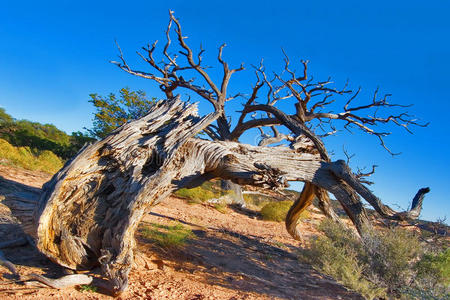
x=88, y=212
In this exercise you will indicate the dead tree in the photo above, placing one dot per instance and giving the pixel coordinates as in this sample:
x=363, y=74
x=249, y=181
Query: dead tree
x=172, y=75
x=87, y=214
x=312, y=120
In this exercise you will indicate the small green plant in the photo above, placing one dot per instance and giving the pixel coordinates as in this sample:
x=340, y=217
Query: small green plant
x=88, y=288
x=221, y=207
x=280, y=244
x=267, y=256
x=167, y=236
x=208, y=190
x=256, y=202
x=277, y=211
x=195, y=195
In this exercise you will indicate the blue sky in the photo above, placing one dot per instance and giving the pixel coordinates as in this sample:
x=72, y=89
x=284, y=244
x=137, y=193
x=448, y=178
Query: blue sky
x=53, y=54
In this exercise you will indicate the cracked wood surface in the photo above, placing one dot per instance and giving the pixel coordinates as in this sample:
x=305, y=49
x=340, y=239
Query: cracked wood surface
x=88, y=212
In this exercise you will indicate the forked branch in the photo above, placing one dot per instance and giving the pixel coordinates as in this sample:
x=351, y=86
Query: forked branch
x=170, y=74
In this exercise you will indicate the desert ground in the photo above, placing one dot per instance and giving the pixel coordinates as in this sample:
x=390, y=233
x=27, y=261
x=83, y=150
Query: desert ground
x=232, y=255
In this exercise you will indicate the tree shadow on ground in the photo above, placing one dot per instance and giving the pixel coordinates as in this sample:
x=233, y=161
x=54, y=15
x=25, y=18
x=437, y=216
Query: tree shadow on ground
x=10, y=229
x=248, y=263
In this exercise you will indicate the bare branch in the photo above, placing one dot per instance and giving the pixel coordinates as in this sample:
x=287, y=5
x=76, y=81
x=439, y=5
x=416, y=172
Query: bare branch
x=360, y=175
x=276, y=138
x=241, y=128
x=347, y=155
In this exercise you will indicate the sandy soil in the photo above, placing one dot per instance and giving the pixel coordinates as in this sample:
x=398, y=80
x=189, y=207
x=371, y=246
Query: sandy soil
x=233, y=255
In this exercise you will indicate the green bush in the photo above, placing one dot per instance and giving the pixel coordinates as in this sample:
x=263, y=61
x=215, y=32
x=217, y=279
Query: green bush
x=433, y=276
x=29, y=158
x=390, y=256
x=255, y=201
x=385, y=262
x=277, y=211
x=195, y=195
x=436, y=266
x=167, y=236
x=88, y=288
x=208, y=190
x=337, y=253
x=221, y=207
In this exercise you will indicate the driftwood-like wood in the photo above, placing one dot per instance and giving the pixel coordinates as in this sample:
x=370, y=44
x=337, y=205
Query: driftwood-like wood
x=63, y=282
x=88, y=212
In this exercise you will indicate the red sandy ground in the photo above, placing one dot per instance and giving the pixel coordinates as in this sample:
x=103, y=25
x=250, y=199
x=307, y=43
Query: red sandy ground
x=233, y=256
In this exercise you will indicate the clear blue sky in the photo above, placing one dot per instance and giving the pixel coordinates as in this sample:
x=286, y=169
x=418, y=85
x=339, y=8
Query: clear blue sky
x=53, y=54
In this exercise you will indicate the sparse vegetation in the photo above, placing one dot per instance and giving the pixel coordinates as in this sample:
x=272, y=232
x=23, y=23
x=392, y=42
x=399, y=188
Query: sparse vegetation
x=208, y=190
x=88, y=288
x=29, y=158
x=167, y=236
x=433, y=277
x=195, y=195
x=221, y=207
x=256, y=202
x=388, y=262
x=276, y=211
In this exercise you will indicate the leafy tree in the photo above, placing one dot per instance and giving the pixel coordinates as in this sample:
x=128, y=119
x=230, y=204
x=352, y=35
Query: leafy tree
x=113, y=111
x=4, y=117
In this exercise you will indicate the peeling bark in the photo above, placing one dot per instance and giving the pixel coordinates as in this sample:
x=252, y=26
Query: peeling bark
x=88, y=212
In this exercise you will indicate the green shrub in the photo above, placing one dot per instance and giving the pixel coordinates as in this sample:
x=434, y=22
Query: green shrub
x=29, y=158
x=436, y=266
x=433, y=275
x=195, y=195
x=88, y=288
x=255, y=201
x=384, y=262
x=390, y=256
x=221, y=207
x=208, y=190
x=336, y=253
x=167, y=236
x=277, y=211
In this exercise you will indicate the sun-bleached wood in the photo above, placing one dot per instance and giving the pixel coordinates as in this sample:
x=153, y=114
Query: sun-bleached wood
x=87, y=214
